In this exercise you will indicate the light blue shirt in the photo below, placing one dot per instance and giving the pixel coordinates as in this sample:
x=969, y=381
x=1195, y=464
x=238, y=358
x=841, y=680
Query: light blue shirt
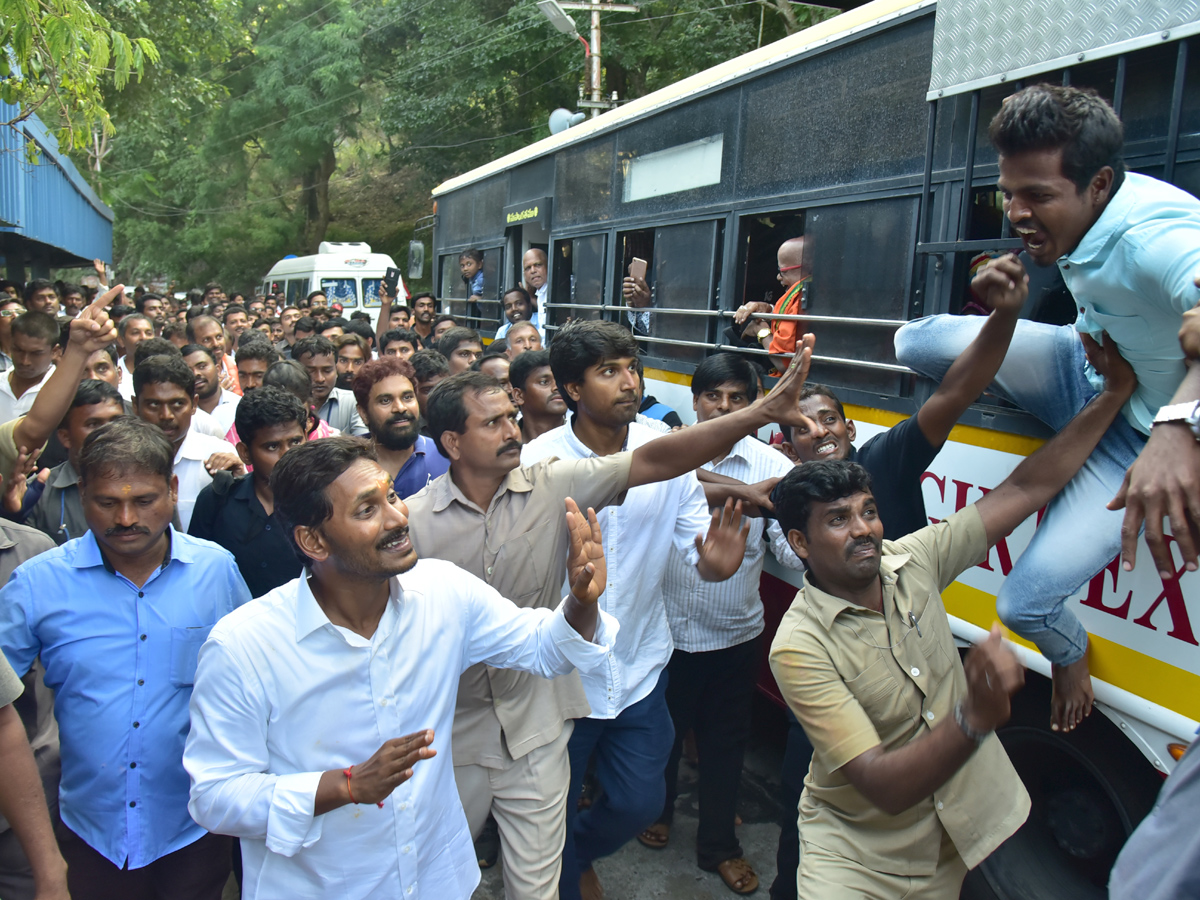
x=534, y=320
x=121, y=662
x=1131, y=276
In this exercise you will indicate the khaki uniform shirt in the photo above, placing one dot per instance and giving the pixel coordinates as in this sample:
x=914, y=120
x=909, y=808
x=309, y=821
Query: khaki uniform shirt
x=518, y=546
x=856, y=678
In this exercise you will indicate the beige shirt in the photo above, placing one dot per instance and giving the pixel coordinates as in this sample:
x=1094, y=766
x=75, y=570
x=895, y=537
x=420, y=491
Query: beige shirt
x=856, y=678
x=518, y=546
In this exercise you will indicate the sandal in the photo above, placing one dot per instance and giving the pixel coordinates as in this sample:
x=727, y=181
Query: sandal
x=738, y=876
x=656, y=836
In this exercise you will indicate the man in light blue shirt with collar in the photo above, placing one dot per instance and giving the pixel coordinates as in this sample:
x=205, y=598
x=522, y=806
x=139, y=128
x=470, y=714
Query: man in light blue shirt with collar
x=1127, y=246
x=117, y=617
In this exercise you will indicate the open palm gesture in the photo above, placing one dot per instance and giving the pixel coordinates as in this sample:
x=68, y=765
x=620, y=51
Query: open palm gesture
x=724, y=548
x=587, y=570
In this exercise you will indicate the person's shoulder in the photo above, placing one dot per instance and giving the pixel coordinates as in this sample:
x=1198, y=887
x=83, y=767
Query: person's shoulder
x=434, y=577
x=799, y=627
x=552, y=443
x=30, y=540
x=261, y=621
x=763, y=454
x=640, y=433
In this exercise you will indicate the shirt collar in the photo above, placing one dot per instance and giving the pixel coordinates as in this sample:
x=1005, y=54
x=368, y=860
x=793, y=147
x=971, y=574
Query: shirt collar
x=89, y=555
x=583, y=449
x=445, y=491
x=309, y=615
x=1112, y=218
x=827, y=606
x=63, y=476
x=7, y=541
x=191, y=447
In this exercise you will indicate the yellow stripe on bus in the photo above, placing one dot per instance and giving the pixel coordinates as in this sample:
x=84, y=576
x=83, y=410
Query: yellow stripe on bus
x=1159, y=682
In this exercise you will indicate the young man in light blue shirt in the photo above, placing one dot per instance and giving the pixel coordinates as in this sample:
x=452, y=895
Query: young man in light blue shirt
x=1127, y=247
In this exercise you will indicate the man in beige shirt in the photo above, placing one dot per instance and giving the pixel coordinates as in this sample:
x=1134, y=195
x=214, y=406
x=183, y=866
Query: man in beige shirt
x=908, y=787
x=503, y=522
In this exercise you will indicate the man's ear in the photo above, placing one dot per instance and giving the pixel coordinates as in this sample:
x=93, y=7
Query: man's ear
x=789, y=450
x=174, y=489
x=1101, y=185
x=518, y=397
x=572, y=390
x=798, y=543
x=64, y=437
x=450, y=442
x=56, y=353
x=851, y=431
x=311, y=542
x=243, y=453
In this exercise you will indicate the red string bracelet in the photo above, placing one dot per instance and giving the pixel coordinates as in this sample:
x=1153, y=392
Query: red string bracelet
x=349, y=773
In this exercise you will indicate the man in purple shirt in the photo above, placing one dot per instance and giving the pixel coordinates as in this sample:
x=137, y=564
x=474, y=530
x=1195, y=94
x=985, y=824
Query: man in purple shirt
x=387, y=402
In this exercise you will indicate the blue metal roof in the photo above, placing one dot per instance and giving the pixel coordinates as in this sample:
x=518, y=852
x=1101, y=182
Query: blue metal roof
x=49, y=202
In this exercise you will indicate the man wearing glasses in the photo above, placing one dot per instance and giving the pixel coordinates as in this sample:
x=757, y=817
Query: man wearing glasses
x=778, y=337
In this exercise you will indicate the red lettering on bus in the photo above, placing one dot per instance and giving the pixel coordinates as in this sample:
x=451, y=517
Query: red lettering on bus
x=1095, y=594
x=1181, y=626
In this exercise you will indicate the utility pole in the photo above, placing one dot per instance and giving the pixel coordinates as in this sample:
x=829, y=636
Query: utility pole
x=596, y=101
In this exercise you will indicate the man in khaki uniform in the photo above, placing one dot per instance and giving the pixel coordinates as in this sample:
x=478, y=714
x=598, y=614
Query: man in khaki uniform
x=504, y=523
x=908, y=787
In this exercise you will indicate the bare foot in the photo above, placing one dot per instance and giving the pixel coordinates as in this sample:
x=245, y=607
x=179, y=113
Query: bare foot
x=1071, y=700
x=589, y=885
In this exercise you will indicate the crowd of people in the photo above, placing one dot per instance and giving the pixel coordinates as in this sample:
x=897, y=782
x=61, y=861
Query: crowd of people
x=350, y=609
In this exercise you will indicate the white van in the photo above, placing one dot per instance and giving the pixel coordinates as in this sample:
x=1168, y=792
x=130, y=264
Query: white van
x=347, y=272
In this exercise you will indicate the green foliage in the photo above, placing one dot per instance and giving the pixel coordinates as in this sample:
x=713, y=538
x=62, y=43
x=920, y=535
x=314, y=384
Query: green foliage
x=271, y=126
x=62, y=54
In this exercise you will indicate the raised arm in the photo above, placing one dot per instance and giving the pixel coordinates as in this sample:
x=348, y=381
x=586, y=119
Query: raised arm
x=92, y=330
x=1004, y=286
x=1041, y=476
x=682, y=451
x=385, y=313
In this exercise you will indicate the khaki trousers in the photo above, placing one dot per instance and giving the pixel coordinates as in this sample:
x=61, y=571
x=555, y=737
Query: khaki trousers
x=830, y=877
x=529, y=801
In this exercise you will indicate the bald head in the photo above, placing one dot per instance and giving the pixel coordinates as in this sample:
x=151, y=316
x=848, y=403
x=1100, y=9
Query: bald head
x=533, y=263
x=793, y=264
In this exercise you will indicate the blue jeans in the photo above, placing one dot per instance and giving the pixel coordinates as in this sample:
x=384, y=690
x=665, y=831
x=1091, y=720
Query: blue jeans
x=1043, y=373
x=631, y=755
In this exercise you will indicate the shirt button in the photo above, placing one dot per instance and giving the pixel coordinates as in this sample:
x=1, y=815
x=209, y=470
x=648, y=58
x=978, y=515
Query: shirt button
x=1081, y=309
x=915, y=672
x=132, y=803
x=143, y=637
x=268, y=528
x=404, y=806
x=133, y=765
x=264, y=565
x=383, y=702
x=407, y=848
x=137, y=724
x=939, y=804
x=929, y=715
x=141, y=681
x=141, y=594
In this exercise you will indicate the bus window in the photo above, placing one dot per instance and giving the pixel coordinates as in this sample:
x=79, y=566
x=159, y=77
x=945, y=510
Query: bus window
x=340, y=290
x=297, y=289
x=486, y=313
x=684, y=271
x=578, y=279
x=370, y=292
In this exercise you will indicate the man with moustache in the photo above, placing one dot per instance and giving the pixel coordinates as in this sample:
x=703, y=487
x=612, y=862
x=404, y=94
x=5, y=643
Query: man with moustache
x=424, y=311
x=210, y=396
x=316, y=710
x=499, y=520
x=909, y=786
x=387, y=402
x=533, y=264
x=121, y=659
x=334, y=405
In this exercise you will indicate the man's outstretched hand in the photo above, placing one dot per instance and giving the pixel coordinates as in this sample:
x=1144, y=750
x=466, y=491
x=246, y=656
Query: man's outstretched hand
x=724, y=548
x=587, y=570
x=782, y=405
x=92, y=329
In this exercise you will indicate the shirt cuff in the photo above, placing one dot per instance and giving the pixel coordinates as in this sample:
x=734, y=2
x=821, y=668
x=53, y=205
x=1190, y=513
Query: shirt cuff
x=291, y=823
x=586, y=656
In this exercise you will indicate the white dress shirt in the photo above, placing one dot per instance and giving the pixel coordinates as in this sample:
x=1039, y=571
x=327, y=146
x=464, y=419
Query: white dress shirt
x=12, y=406
x=283, y=695
x=125, y=385
x=189, y=468
x=638, y=537
x=714, y=615
x=225, y=410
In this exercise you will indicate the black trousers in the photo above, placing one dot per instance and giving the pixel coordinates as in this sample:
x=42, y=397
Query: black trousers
x=712, y=693
x=795, y=766
x=198, y=871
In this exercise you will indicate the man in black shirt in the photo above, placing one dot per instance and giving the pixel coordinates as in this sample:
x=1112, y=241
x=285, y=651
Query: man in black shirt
x=239, y=513
x=895, y=460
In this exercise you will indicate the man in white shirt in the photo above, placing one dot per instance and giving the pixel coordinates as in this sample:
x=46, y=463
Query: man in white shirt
x=164, y=394
x=294, y=696
x=533, y=264
x=34, y=351
x=596, y=368
x=716, y=629
x=210, y=396
x=132, y=330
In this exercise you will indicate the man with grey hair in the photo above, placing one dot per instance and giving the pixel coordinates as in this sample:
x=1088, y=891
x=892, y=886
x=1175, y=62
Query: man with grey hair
x=121, y=659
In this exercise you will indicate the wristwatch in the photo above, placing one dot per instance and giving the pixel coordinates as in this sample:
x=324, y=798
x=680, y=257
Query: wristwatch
x=960, y=719
x=1181, y=414
x=762, y=333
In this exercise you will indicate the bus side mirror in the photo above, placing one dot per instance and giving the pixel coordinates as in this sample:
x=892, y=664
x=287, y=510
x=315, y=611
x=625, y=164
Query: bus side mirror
x=416, y=260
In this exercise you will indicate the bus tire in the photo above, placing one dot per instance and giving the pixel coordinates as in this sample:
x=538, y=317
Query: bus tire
x=1089, y=790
